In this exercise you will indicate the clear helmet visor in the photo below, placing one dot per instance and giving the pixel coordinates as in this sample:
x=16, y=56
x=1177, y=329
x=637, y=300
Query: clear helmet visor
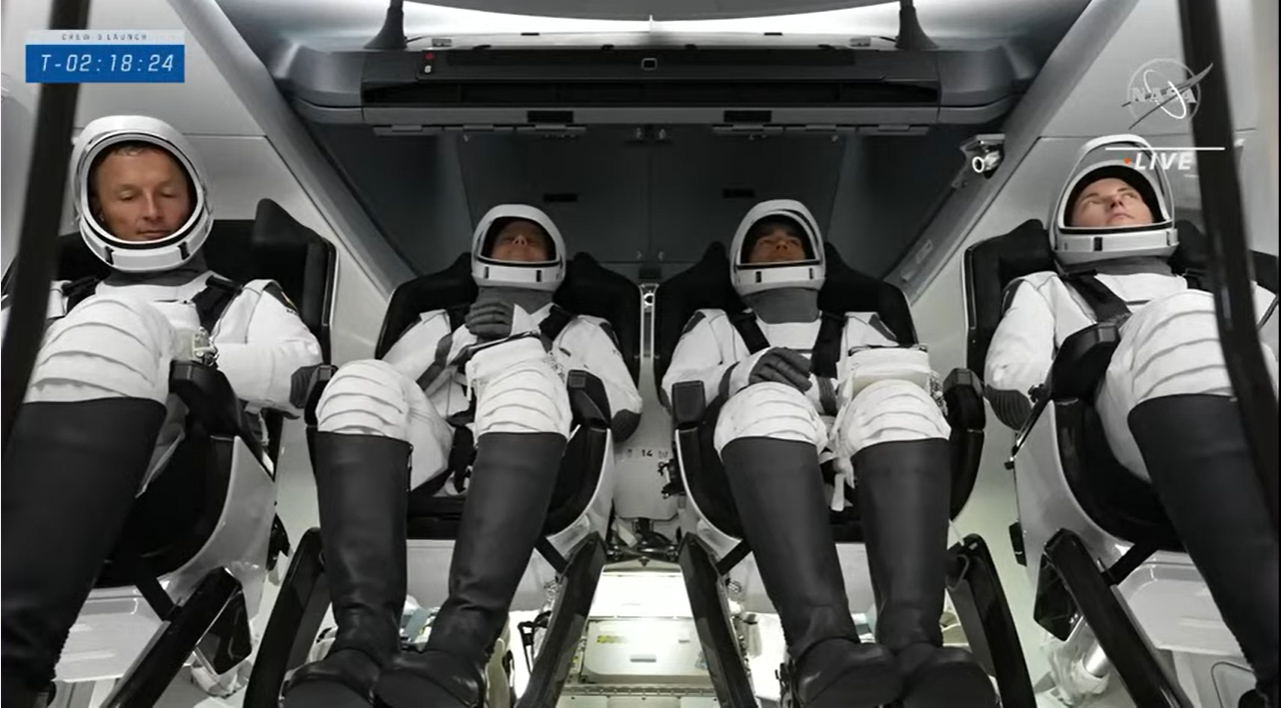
x=141, y=202
x=517, y=245
x=776, y=226
x=139, y=193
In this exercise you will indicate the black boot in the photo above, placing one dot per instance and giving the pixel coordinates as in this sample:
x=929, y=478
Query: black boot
x=71, y=472
x=778, y=491
x=904, y=490
x=512, y=483
x=362, y=486
x=1196, y=453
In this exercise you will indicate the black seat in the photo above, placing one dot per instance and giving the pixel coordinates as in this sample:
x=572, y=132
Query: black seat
x=1115, y=499
x=588, y=289
x=707, y=285
x=173, y=519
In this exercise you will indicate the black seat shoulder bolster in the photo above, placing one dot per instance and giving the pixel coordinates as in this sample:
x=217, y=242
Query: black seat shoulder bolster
x=1082, y=361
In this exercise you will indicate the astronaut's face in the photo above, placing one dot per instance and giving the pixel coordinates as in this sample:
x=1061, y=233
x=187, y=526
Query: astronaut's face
x=779, y=244
x=140, y=194
x=1110, y=202
x=522, y=241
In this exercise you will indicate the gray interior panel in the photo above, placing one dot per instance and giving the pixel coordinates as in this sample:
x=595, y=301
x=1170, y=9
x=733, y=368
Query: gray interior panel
x=645, y=200
x=704, y=183
x=593, y=185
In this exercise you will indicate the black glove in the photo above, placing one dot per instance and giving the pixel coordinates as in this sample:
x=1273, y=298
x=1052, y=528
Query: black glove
x=785, y=366
x=490, y=320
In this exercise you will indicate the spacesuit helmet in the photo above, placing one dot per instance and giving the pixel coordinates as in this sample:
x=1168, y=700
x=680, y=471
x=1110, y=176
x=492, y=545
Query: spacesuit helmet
x=534, y=275
x=172, y=245
x=1115, y=157
x=750, y=278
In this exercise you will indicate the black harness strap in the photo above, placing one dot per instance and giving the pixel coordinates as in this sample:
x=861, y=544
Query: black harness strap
x=555, y=323
x=213, y=301
x=76, y=291
x=1105, y=304
x=210, y=305
x=462, y=451
x=1196, y=279
x=824, y=357
x=749, y=330
x=827, y=348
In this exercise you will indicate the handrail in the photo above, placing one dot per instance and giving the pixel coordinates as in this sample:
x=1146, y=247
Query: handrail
x=42, y=212
x=1230, y=262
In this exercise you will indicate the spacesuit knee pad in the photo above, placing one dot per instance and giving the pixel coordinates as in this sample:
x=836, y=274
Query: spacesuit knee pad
x=888, y=411
x=1171, y=347
x=769, y=410
x=527, y=397
x=107, y=347
x=367, y=397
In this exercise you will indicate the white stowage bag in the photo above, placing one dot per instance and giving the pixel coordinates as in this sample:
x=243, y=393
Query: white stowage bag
x=868, y=365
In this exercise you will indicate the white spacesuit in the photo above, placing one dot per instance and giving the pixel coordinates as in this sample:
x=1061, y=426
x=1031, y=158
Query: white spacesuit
x=385, y=425
x=1165, y=401
x=792, y=384
x=98, y=421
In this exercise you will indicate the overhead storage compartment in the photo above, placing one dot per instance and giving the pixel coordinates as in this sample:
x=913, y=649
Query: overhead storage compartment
x=814, y=88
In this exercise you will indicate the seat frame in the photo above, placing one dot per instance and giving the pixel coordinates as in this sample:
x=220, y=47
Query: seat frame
x=190, y=582
x=1097, y=544
x=571, y=551
x=709, y=554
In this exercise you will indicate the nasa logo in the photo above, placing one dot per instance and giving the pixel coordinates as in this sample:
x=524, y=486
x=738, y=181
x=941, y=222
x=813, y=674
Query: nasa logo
x=1164, y=85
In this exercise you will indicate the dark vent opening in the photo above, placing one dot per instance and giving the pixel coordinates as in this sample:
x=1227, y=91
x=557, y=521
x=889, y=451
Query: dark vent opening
x=560, y=117
x=748, y=116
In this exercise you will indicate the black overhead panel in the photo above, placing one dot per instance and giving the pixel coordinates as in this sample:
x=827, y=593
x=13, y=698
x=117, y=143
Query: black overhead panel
x=807, y=88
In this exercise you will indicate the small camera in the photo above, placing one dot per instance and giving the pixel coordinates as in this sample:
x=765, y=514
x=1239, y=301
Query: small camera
x=984, y=152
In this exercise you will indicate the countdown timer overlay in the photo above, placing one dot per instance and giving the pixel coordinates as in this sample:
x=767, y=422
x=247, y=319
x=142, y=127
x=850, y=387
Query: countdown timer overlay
x=105, y=57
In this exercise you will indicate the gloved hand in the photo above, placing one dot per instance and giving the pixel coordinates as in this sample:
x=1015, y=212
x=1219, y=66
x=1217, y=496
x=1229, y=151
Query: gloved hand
x=490, y=320
x=781, y=365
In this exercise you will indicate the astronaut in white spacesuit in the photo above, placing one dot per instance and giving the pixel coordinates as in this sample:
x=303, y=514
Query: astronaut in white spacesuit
x=98, y=421
x=1165, y=402
x=781, y=414
x=386, y=426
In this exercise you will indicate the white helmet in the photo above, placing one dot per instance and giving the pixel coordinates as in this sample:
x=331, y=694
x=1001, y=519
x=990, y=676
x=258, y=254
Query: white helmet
x=751, y=278
x=138, y=256
x=543, y=275
x=1112, y=156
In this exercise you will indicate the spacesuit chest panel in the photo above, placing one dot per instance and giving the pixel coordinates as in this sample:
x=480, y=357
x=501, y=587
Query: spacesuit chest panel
x=1072, y=313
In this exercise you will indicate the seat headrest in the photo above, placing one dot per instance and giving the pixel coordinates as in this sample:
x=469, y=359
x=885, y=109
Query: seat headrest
x=588, y=289
x=848, y=290
x=707, y=285
x=1193, y=255
x=991, y=265
x=704, y=285
x=271, y=246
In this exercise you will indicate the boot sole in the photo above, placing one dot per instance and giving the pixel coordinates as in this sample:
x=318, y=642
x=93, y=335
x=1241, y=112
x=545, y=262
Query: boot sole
x=958, y=686
x=323, y=694
x=860, y=689
x=398, y=690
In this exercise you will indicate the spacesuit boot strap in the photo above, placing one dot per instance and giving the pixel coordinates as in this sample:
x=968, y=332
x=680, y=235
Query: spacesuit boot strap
x=513, y=479
x=71, y=473
x=362, y=485
x=778, y=491
x=1197, y=455
x=904, y=492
